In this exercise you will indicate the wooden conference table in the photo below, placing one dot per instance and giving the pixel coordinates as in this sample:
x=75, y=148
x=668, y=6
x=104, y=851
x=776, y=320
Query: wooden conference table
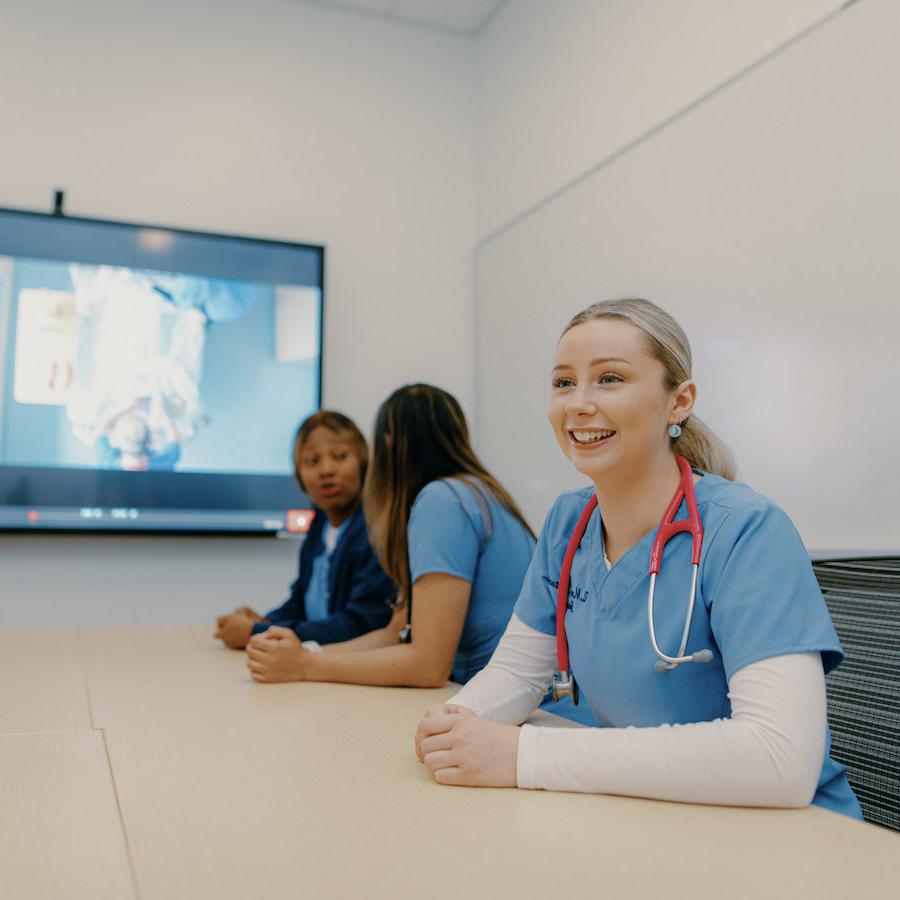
x=145, y=763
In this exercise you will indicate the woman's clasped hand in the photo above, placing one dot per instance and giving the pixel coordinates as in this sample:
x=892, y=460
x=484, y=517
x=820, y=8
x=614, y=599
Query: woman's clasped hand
x=277, y=655
x=462, y=749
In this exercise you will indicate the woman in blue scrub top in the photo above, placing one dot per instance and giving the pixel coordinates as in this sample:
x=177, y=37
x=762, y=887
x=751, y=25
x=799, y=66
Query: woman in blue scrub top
x=746, y=728
x=451, y=538
x=341, y=591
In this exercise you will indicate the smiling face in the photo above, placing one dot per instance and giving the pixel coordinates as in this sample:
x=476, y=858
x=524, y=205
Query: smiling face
x=330, y=472
x=610, y=406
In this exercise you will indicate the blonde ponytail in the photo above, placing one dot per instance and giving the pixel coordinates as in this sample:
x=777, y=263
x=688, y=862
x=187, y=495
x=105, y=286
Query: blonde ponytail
x=703, y=450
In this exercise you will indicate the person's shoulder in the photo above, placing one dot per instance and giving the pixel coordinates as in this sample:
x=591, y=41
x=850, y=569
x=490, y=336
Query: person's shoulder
x=469, y=493
x=435, y=494
x=736, y=503
x=353, y=532
x=564, y=515
x=356, y=521
x=572, y=502
x=441, y=501
x=316, y=527
x=729, y=496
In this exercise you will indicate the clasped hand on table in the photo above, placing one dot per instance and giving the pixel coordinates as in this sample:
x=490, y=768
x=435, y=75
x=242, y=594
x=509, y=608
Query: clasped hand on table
x=277, y=655
x=462, y=749
x=235, y=629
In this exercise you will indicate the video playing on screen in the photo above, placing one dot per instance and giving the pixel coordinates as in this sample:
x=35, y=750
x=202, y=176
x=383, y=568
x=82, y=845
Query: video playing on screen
x=115, y=374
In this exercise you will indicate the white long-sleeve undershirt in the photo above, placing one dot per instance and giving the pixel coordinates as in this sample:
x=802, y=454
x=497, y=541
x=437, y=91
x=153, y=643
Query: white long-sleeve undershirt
x=769, y=753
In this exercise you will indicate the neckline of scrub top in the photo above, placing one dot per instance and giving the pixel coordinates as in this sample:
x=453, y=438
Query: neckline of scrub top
x=612, y=584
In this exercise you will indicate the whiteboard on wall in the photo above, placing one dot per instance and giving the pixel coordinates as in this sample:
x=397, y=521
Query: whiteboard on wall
x=767, y=221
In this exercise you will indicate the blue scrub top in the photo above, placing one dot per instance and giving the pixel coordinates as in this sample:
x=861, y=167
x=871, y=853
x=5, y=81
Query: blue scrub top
x=757, y=598
x=457, y=527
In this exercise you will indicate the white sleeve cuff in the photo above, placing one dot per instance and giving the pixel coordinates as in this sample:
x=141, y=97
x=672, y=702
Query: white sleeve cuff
x=526, y=774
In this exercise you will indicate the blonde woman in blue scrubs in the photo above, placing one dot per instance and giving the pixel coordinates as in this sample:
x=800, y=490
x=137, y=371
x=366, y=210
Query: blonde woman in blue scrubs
x=746, y=728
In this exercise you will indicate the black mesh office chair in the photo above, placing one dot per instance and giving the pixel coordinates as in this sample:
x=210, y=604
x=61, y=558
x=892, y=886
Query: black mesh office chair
x=863, y=596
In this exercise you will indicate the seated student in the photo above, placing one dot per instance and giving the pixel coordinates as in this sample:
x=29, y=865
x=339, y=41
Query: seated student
x=736, y=714
x=451, y=538
x=341, y=591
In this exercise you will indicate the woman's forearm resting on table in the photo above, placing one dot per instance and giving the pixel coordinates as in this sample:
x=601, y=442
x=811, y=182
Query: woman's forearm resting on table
x=376, y=658
x=373, y=640
x=400, y=665
x=439, y=608
x=278, y=656
x=769, y=753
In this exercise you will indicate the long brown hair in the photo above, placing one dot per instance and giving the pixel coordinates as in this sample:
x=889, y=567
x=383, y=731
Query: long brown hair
x=339, y=424
x=420, y=436
x=698, y=444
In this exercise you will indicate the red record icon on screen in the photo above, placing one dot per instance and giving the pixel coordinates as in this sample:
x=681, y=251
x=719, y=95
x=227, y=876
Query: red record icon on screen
x=299, y=520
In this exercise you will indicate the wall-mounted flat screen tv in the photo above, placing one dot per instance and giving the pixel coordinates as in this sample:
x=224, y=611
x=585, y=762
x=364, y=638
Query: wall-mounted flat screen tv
x=151, y=379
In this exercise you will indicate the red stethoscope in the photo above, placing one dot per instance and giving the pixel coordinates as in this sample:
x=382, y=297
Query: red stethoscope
x=564, y=683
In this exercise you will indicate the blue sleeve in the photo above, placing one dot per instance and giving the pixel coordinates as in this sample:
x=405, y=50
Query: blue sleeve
x=442, y=535
x=536, y=605
x=761, y=592
x=291, y=611
x=288, y=614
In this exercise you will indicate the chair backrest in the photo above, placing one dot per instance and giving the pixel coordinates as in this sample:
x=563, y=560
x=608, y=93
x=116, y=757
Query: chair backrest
x=863, y=597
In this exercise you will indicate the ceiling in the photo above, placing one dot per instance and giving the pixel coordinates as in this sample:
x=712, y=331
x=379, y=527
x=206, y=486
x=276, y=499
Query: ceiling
x=466, y=17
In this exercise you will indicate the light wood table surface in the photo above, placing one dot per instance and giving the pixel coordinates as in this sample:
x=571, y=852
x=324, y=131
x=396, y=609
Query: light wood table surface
x=230, y=789
x=60, y=831
x=42, y=682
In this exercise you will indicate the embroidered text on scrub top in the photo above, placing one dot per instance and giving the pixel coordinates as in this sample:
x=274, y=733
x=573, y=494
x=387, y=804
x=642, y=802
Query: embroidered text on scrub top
x=576, y=592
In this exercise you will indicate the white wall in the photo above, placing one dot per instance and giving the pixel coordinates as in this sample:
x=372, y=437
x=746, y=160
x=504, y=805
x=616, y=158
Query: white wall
x=270, y=118
x=764, y=217
x=564, y=85
x=400, y=149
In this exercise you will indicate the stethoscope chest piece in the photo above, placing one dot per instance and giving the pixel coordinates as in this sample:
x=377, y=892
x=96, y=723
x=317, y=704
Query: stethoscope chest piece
x=565, y=685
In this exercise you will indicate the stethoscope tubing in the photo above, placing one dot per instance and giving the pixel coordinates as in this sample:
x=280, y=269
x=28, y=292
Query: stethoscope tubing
x=563, y=681
x=665, y=663
x=562, y=592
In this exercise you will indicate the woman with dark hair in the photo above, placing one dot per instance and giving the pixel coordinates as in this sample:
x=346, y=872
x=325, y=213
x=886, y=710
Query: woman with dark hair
x=451, y=538
x=341, y=590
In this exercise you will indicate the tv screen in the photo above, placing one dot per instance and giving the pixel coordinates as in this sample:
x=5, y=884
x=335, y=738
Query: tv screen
x=151, y=379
